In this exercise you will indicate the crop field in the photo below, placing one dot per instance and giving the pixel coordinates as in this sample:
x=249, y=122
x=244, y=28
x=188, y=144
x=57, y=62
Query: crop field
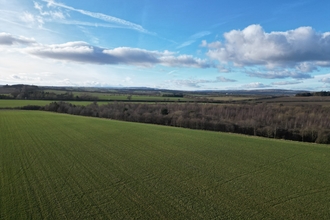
x=12, y=103
x=57, y=166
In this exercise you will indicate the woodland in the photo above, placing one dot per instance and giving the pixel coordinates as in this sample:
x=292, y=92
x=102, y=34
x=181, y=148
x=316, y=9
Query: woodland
x=307, y=123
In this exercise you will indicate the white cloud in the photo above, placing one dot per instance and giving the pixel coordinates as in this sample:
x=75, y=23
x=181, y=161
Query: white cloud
x=8, y=39
x=203, y=44
x=53, y=14
x=213, y=45
x=18, y=68
x=85, y=53
x=302, y=48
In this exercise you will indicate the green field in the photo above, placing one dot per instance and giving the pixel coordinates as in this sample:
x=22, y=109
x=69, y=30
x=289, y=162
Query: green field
x=13, y=103
x=56, y=166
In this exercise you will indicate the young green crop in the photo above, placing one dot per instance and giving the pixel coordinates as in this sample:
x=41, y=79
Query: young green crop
x=56, y=166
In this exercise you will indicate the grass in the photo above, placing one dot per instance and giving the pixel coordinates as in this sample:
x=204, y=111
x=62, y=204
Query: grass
x=56, y=166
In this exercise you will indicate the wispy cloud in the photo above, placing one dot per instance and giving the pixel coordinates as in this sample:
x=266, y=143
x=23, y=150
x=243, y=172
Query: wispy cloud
x=84, y=23
x=325, y=80
x=101, y=16
x=31, y=20
x=283, y=83
x=196, y=83
x=279, y=74
x=24, y=19
x=12, y=22
x=172, y=72
x=53, y=14
x=223, y=79
x=289, y=6
x=193, y=38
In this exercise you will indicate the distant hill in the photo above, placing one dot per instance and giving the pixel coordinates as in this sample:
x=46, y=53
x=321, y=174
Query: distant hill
x=267, y=92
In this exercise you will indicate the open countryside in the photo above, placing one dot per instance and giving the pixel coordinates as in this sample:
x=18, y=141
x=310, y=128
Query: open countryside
x=71, y=167
x=164, y=109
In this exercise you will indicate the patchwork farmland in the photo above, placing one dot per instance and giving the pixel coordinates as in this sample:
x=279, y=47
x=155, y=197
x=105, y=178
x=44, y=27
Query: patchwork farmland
x=56, y=166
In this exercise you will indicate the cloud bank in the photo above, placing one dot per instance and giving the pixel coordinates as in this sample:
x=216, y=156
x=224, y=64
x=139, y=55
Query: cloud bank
x=302, y=49
x=253, y=46
x=83, y=52
x=9, y=39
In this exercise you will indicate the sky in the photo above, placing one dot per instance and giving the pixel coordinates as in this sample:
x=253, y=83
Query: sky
x=179, y=45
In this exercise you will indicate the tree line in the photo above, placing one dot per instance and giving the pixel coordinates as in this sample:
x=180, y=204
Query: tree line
x=321, y=93
x=308, y=123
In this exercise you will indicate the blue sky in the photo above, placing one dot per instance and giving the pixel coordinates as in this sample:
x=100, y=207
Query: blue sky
x=188, y=45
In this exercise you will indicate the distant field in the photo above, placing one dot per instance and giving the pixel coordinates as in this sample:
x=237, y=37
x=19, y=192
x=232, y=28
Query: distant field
x=9, y=103
x=119, y=97
x=56, y=166
x=12, y=103
x=231, y=98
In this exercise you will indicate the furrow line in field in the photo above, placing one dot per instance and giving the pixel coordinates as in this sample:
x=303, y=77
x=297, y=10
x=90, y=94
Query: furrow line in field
x=284, y=199
x=261, y=169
